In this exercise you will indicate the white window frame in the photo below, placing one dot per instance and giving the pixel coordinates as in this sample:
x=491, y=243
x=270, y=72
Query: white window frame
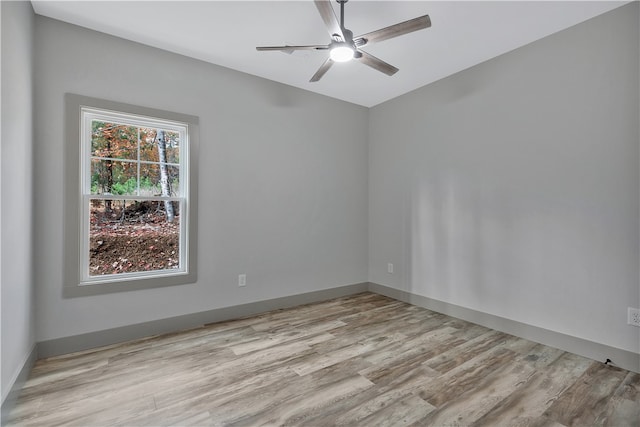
x=80, y=112
x=88, y=115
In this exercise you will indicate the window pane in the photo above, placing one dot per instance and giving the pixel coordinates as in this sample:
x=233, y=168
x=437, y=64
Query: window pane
x=133, y=236
x=114, y=140
x=173, y=147
x=151, y=178
x=148, y=145
x=173, y=180
x=113, y=177
x=159, y=145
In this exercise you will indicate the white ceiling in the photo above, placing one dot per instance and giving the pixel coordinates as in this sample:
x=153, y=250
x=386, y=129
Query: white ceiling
x=463, y=33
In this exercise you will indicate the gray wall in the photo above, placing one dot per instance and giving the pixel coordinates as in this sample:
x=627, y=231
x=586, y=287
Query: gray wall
x=16, y=208
x=282, y=196
x=511, y=188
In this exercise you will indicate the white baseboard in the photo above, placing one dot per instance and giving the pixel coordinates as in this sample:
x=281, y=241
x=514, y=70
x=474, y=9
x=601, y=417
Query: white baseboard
x=622, y=358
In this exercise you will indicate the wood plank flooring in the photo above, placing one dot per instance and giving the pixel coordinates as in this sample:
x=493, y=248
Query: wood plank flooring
x=361, y=360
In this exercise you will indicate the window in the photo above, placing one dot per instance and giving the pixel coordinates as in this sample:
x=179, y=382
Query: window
x=134, y=197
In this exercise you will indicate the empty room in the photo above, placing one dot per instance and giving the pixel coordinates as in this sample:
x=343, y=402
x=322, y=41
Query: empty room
x=317, y=213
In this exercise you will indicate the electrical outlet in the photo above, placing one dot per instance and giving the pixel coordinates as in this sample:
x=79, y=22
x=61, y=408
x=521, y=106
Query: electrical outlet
x=390, y=268
x=633, y=316
x=242, y=280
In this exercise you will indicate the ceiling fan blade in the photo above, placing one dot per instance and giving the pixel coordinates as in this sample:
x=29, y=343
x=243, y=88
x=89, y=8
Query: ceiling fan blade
x=377, y=64
x=396, y=30
x=322, y=70
x=290, y=49
x=329, y=18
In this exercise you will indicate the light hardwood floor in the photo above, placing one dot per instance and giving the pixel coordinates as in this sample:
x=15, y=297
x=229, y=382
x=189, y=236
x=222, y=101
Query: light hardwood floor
x=361, y=360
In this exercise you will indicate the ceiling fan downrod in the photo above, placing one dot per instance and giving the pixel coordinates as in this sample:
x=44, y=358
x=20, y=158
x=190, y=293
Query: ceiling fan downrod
x=347, y=35
x=342, y=2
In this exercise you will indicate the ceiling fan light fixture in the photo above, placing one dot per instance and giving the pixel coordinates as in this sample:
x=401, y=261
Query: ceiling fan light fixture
x=342, y=53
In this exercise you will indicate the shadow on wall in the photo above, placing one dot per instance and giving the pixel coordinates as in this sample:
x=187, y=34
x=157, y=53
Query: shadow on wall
x=478, y=246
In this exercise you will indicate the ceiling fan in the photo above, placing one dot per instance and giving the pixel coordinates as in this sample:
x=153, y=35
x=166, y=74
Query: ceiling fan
x=344, y=47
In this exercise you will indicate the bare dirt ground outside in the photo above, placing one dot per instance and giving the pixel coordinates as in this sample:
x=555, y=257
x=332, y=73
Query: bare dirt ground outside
x=139, y=240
